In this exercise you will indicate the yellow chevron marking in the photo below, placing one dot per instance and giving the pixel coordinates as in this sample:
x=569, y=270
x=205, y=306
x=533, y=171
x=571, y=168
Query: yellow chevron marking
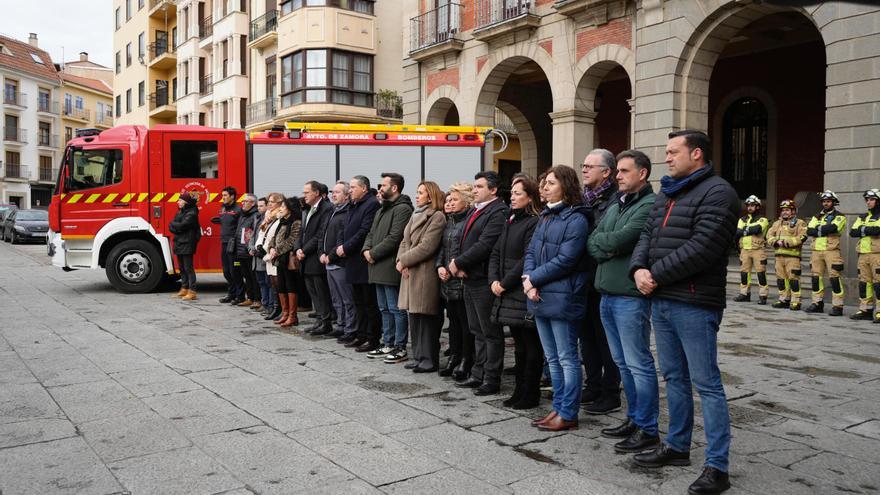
x=63, y=195
x=158, y=197
x=92, y=198
x=174, y=197
x=110, y=197
x=240, y=198
x=211, y=198
x=127, y=197
x=142, y=197
x=75, y=198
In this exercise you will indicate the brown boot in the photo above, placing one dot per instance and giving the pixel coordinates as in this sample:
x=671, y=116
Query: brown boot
x=292, y=320
x=182, y=292
x=190, y=296
x=285, y=310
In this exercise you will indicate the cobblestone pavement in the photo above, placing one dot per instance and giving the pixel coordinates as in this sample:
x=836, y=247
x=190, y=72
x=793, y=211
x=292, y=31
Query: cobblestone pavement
x=108, y=393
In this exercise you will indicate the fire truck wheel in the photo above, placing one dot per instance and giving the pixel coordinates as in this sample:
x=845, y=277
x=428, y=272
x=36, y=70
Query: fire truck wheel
x=135, y=266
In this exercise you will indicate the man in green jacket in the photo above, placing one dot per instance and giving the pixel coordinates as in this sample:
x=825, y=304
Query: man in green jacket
x=625, y=312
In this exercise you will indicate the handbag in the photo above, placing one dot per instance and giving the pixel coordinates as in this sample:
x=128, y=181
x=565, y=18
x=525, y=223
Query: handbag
x=292, y=262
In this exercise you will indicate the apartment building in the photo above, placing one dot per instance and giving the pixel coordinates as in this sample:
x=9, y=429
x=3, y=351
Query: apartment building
x=31, y=122
x=145, y=78
x=86, y=103
x=324, y=60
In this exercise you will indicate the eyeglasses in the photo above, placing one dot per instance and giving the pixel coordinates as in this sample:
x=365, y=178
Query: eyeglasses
x=590, y=167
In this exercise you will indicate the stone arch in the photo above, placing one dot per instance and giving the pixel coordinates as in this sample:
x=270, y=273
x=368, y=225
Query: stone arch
x=501, y=63
x=594, y=66
x=772, y=137
x=439, y=102
x=701, y=51
x=528, y=144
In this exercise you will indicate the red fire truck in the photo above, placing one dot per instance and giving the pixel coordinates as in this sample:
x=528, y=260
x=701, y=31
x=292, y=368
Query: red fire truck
x=117, y=190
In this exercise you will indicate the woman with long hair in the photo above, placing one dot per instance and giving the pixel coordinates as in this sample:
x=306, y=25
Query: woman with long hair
x=461, y=342
x=268, y=228
x=419, y=284
x=509, y=308
x=554, y=281
x=280, y=249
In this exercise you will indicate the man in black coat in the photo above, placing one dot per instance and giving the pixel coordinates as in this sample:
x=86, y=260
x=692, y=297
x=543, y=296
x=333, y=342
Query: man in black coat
x=228, y=221
x=601, y=392
x=680, y=261
x=340, y=291
x=243, y=265
x=306, y=248
x=481, y=231
x=360, y=220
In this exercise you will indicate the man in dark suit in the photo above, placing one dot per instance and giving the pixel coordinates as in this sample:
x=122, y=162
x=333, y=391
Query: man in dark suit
x=482, y=229
x=314, y=272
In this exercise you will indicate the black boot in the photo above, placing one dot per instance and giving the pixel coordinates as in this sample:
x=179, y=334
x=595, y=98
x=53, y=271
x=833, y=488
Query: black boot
x=463, y=370
x=531, y=389
x=781, y=304
x=711, y=481
x=742, y=298
x=836, y=311
x=276, y=312
x=816, y=307
x=454, y=361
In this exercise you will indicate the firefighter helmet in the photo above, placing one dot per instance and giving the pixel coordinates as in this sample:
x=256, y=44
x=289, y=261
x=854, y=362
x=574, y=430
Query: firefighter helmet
x=872, y=193
x=829, y=194
x=753, y=200
x=788, y=203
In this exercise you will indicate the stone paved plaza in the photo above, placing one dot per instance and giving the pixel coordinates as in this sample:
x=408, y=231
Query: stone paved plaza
x=108, y=393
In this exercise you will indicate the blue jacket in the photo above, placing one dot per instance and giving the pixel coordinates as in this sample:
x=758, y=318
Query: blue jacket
x=357, y=226
x=557, y=264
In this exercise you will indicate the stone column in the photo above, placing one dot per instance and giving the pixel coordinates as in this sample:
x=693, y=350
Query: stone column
x=572, y=136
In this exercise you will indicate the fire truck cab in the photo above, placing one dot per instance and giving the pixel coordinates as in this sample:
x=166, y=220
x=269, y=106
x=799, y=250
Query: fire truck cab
x=117, y=190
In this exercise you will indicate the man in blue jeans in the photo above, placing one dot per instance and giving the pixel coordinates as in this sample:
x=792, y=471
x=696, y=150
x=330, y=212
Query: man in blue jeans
x=680, y=261
x=626, y=312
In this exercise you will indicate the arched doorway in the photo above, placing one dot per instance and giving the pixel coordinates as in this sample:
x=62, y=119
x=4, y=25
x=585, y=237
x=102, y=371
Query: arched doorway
x=613, y=115
x=519, y=88
x=443, y=112
x=744, y=147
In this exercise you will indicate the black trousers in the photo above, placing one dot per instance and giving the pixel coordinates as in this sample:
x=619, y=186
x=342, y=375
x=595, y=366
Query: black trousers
x=488, y=336
x=244, y=270
x=424, y=333
x=529, y=356
x=461, y=340
x=366, y=313
x=187, y=271
x=317, y=287
x=288, y=280
x=602, y=374
x=235, y=289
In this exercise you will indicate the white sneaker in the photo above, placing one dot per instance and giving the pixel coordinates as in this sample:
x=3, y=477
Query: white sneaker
x=380, y=352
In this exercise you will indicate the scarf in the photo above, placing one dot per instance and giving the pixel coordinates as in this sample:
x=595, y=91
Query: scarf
x=592, y=196
x=670, y=186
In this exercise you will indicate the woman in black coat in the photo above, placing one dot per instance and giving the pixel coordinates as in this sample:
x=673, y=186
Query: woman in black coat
x=187, y=232
x=509, y=308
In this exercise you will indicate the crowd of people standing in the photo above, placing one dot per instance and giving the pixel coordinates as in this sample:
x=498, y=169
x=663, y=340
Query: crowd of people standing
x=579, y=273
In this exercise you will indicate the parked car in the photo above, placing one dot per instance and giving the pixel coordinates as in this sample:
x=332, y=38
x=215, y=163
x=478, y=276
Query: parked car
x=5, y=212
x=26, y=225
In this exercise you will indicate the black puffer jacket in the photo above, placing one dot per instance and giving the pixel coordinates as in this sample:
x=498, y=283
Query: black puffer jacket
x=449, y=249
x=686, y=241
x=506, y=266
x=244, y=231
x=186, y=229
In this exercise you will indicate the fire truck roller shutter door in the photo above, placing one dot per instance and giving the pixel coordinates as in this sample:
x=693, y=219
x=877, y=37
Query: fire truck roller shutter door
x=285, y=168
x=447, y=165
x=371, y=161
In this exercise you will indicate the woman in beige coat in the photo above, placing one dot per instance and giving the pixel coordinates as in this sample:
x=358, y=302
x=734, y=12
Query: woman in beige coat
x=419, y=283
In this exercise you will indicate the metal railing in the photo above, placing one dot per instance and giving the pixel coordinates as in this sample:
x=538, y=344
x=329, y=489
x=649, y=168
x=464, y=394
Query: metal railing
x=104, y=118
x=266, y=23
x=15, y=171
x=48, y=140
x=158, y=99
x=77, y=113
x=159, y=48
x=435, y=26
x=206, y=27
x=503, y=122
x=48, y=174
x=206, y=85
x=262, y=111
x=390, y=107
x=14, y=98
x=491, y=12
x=15, y=134
x=48, y=106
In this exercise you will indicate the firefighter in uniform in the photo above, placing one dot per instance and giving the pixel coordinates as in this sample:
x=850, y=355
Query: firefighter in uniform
x=786, y=236
x=825, y=229
x=751, y=231
x=867, y=230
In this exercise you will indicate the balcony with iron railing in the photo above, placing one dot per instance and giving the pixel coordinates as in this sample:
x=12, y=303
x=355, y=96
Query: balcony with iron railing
x=162, y=9
x=206, y=27
x=48, y=140
x=263, y=30
x=499, y=18
x=161, y=55
x=80, y=114
x=436, y=32
x=161, y=106
x=262, y=111
x=14, y=99
x=48, y=173
x=48, y=106
x=14, y=135
x=206, y=85
x=15, y=171
x=389, y=106
x=104, y=119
